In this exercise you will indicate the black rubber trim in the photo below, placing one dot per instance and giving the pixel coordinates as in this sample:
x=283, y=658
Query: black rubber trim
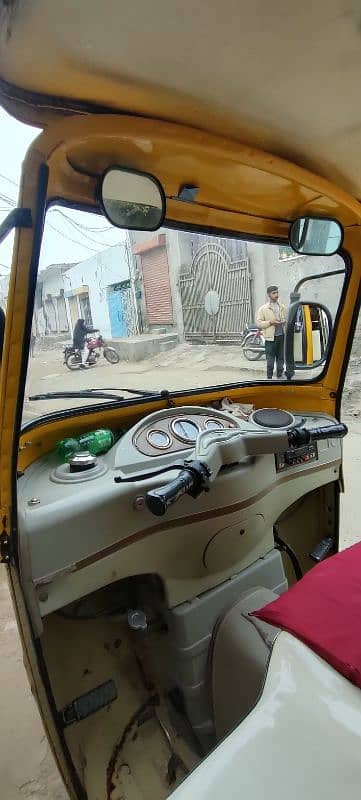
x=225, y=233
x=18, y=218
x=53, y=103
x=33, y=271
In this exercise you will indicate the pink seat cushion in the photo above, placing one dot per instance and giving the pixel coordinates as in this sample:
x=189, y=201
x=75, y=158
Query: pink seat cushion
x=324, y=611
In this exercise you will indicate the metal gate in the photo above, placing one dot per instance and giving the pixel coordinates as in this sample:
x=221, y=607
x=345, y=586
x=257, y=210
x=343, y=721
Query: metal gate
x=121, y=310
x=216, y=296
x=117, y=314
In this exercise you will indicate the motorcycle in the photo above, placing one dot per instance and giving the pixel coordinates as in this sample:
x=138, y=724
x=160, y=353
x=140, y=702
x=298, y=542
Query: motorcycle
x=73, y=359
x=253, y=343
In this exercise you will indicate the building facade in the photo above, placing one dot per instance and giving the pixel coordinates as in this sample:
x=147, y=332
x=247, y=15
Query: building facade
x=98, y=290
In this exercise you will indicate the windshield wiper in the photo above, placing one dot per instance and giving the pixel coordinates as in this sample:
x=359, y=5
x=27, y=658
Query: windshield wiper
x=98, y=394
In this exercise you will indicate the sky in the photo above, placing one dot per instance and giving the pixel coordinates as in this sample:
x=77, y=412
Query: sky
x=67, y=239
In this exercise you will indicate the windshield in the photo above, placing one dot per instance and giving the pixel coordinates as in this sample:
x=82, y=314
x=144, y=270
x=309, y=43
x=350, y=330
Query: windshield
x=169, y=310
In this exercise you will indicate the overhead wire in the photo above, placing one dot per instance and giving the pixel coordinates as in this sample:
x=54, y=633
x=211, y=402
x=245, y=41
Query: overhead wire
x=12, y=203
x=7, y=199
x=83, y=230
x=66, y=236
x=10, y=180
x=80, y=229
x=92, y=229
x=79, y=224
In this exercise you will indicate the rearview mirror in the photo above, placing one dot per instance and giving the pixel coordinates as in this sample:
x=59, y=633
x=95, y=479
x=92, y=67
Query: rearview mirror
x=132, y=200
x=317, y=237
x=307, y=336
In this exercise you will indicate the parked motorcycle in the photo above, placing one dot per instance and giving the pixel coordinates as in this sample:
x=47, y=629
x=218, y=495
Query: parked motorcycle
x=96, y=345
x=253, y=343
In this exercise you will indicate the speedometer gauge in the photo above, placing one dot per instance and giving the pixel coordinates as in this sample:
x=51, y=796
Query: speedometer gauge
x=185, y=429
x=158, y=439
x=214, y=424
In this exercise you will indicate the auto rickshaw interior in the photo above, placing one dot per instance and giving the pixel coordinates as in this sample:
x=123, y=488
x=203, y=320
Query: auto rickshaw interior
x=140, y=565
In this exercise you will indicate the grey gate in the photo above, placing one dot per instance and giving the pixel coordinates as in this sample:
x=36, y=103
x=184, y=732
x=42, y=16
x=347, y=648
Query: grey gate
x=213, y=273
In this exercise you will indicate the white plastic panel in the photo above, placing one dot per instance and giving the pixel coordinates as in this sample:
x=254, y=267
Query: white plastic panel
x=302, y=740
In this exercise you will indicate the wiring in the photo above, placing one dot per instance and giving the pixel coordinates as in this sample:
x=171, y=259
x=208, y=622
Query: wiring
x=79, y=224
x=81, y=229
x=6, y=199
x=66, y=236
x=284, y=547
x=10, y=180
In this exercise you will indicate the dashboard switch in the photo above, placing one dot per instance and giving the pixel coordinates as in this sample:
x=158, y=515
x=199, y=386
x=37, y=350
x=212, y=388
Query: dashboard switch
x=137, y=620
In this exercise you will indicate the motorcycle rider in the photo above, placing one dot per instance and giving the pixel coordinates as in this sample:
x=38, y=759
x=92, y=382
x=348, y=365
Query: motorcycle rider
x=79, y=339
x=271, y=318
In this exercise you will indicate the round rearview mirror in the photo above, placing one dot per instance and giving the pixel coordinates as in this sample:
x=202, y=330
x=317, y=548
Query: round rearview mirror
x=316, y=236
x=132, y=200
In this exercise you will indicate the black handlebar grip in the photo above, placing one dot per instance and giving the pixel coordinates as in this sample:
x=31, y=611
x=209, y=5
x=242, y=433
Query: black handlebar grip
x=158, y=500
x=329, y=432
x=300, y=436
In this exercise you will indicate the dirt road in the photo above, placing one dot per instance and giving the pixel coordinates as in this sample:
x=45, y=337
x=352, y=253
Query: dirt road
x=27, y=770
x=185, y=366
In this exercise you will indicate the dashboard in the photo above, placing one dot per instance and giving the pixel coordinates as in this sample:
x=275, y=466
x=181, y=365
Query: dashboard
x=79, y=531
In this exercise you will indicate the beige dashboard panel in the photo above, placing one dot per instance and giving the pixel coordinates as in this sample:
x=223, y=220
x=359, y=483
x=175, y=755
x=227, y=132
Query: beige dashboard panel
x=229, y=546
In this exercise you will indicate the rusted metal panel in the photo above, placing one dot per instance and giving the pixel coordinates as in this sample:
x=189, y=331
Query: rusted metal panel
x=158, y=298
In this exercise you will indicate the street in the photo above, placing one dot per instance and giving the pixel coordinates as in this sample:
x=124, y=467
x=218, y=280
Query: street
x=27, y=768
x=184, y=366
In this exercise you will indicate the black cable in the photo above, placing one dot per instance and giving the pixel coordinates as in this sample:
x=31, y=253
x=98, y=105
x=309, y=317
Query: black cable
x=291, y=554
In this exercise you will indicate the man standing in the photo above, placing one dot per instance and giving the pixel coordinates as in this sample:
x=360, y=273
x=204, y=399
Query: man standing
x=271, y=318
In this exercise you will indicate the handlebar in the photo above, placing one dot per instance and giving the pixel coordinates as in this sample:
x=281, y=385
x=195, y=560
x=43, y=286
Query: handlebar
x=299, y=436
x=194, y=478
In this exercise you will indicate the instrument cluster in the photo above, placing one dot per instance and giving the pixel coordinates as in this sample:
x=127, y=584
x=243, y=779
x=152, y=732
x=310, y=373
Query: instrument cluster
x=177, y=432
